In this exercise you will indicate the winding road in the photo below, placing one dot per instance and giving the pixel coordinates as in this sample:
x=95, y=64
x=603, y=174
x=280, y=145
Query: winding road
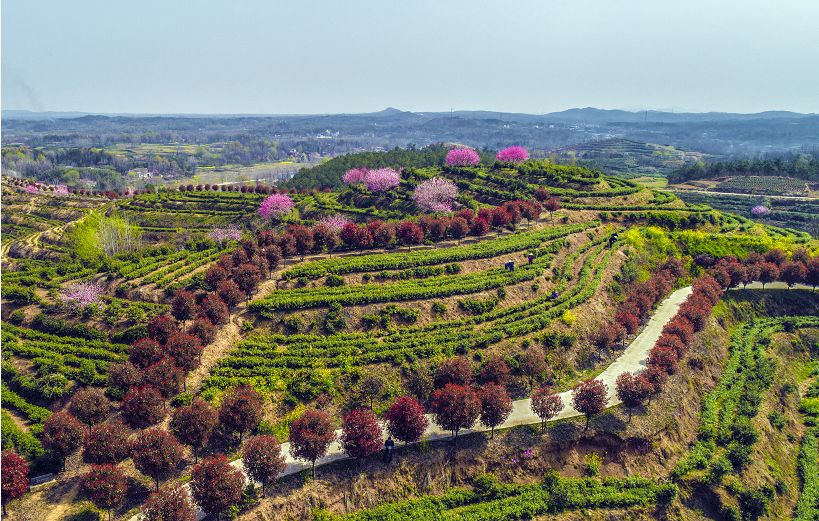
x=632, y=359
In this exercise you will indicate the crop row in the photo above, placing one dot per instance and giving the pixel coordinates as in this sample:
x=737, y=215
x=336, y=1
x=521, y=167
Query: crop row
x=22, y=442
x=807, y=507
x=520, y=241
x=491, y=500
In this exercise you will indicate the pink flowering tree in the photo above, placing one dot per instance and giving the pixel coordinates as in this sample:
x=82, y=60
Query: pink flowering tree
x=354, y=176
x=275, y=206
x=227, y=233
x=382, y=179
x=462, y=156
x=334, y=222
x=515, y=154
x=435, y=195
x=760, y=211
x=32, y=189
x=80, y=295
x=60, y=190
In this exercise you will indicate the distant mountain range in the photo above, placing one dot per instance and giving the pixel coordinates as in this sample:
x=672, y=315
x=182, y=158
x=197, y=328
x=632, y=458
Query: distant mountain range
x=713, y=133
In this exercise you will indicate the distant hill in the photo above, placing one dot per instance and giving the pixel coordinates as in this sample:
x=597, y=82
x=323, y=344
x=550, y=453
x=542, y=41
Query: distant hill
x=627, y=157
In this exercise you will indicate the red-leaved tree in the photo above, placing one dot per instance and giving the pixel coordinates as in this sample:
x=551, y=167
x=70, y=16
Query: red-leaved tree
x=62, y=435
x=495, y=370
x=164, y=376
x=142, y=407
x=89, y=405
x=230, y=293
x=241, y=410
x=14, y=477
x=183, y=305
x=247, y=277
x=185, y=350
x=145, y=352
x=589, y=398
x=107, y=443
x=193, y=424
x=406, y=420
x=360, y=434
x=263, y=460
x=171, y=503
x=160, y=328
x=546, y=404
x=495, y=405
x=456, y=370
x=216, y=485
x=156, y=454
x=311, y=435
x=105, y=486
x=632, y=391
x=455, y=407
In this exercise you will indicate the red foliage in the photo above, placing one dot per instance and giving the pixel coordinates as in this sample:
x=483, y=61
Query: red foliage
x=456, y=370
x=156, y=454
x=262, y=458
x=383, y=234
x=495, y=370
x=812, y=277
x=241, y=410
x=62, y=435
x=541, y=193
x=160, y=328
x=360, y=434
x=105, y=486
x=287, y=244
x=183, y=305
x=216, y=485
x=193, y=424
x=229, y=292
x=185, y=350
x=681, y=328
x=722, y=277
x=458, y=228
x=628, y=321
x=106, y=444
x=145, y=352
x=123, y=375
x=776, y=256
x=632, y=391
x=495, y=405
x=172, y=503
x=499, y=217
x=546, y=404
x=552, y=204
x=664, y=358
x=311, y=435
x=214, y=309
x=674, y=342
x=355, y=236
x=406, y=420
x=203, y=329
x=455, y=407
x=165, y=377
x=409, y=233
x=303, y=237
x=14, y=477
x=768, y=272
x=533, y=365
x=656, y=376
x=89, y=405
x=143, y=406
x=479, y=227
x=247, y=277
x=589, y=398
x=793, y=273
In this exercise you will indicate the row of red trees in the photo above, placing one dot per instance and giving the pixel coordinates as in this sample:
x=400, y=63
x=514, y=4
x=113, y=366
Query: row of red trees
x=731, y=272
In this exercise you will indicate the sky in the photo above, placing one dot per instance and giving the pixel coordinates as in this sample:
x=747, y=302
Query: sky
x=333, y=56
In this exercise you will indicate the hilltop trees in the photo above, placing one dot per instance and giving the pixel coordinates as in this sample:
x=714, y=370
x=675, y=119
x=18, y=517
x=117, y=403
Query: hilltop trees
x=455, y=407
x=495, y=405
x=406, y=420
x=171, y=503
x=241, y=410
x=589, y=398
x=546, y=404
x=311, y=435
x=216, y=485
x=360, y=434
x=62, y=435
x=262, y=459
x=193, y=424
x=155, y=453
x=105, y=486
x=14, y=477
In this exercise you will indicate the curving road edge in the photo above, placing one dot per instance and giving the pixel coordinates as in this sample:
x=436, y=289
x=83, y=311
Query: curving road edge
x=632, y=359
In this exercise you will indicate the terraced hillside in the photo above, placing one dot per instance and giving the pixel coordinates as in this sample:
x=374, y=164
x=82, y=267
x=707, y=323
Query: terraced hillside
x=249, y=312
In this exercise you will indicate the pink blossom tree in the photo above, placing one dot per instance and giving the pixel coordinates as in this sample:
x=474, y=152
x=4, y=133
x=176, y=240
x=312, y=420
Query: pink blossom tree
x=760, y=211
x=32, y=189
x=354, y=176
x=60, y=190
x=228, y=233
x=80, y=295
x=275, y=206
x=462, y=156
x=514, y=154
x=334, y=222
x=381, y=180
x=435, y=195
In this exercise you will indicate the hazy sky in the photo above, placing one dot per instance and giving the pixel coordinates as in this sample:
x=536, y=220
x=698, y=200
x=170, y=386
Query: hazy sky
x=302, y=56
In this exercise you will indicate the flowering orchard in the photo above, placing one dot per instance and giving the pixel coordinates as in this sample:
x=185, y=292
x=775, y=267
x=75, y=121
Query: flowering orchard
x=462, y=156
x=435, y=195
x=80, y=295
x=275, y=206
x=381, y=180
